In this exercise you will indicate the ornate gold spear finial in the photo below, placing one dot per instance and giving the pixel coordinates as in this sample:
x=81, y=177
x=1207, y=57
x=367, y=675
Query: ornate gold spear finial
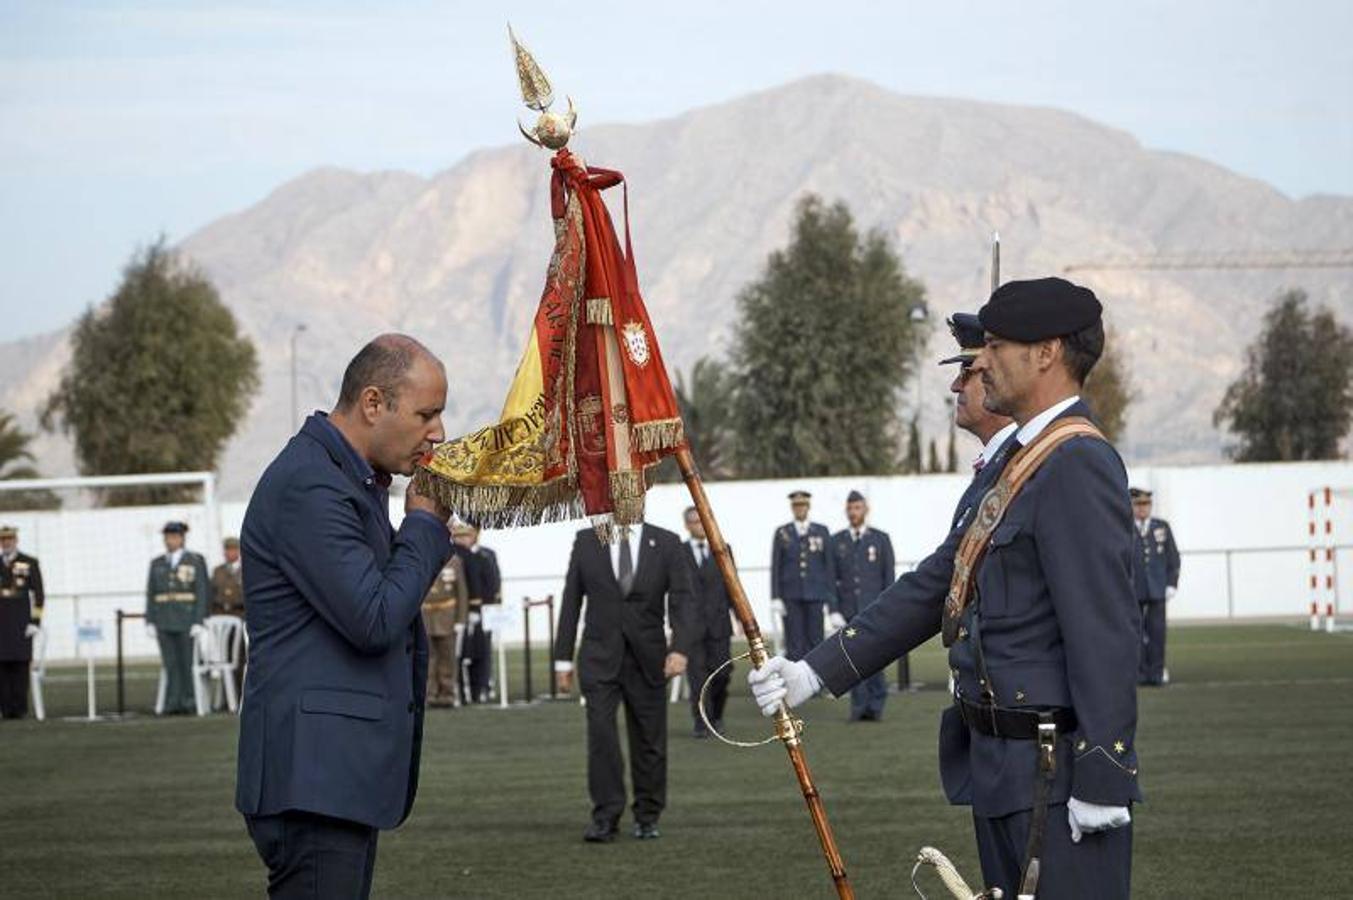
x=552, y=130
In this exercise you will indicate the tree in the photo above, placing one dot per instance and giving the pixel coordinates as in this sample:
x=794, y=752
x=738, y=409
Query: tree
x=823, y=346
x=159, y=377
x=1294, y=400
x=911, y=457
x=1108, y=389
x=15, y=464
x=951, y=458
x=706, y=404
x=933, y=459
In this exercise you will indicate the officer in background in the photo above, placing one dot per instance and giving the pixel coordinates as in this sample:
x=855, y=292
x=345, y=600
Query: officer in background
x=711, y=627
x=227, y=597
x=1155, y=574
x=176, y=604
x=21, y=602
x=864, y=566
x=444, y=613
x=802, y=577
x=485, y=583
x=227, y=584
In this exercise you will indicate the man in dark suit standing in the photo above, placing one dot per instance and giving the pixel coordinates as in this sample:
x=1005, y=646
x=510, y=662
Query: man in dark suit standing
x=485, y=583
x=625, y=658
x=21, y=602
x=332, y=720
x=1155, y=575
x=864, y=564
x=1039, y=740
x=802, y=576
x=712, y=627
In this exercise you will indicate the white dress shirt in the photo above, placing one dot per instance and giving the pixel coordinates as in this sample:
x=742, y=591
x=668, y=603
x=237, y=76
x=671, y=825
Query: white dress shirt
x=174, y=558
x=991, y=446
x=1034, y=427
x=635, y=532
x=801, y=527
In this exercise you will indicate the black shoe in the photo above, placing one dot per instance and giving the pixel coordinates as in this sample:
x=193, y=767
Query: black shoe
x=646, y=831
x=700, y=732
x=600, y=832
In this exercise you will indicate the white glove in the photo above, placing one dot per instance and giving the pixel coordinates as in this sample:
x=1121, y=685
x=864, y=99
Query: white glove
x=779, y=679
x=196, y=630
x=1089, y=817
x=31, y=630
x=777, y=606
x=1169, y=593
x=474, y=618
x=836, y=620
x=150, y=631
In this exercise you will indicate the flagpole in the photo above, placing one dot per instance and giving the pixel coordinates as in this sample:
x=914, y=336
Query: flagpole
x=786, y=727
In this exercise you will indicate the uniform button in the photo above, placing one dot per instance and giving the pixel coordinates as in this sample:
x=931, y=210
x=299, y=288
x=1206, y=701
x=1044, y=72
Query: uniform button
x=411, y=706
x=1019, y=695
x=962, y=633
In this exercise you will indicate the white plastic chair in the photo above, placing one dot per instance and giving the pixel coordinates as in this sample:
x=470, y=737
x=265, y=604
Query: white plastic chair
x=37, y=672
x=215, y=654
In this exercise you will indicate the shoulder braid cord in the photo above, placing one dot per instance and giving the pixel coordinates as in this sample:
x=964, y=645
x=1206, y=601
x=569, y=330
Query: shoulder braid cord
x=991, y=510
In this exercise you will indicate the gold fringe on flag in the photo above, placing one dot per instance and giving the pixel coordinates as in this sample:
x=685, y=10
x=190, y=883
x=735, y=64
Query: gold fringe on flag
x=660, y=435
x=599, y=311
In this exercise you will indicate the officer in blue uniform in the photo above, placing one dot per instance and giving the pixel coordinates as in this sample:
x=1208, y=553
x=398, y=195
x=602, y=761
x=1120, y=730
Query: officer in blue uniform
x=802, y=576
x=1039, y=740
x=864, y=564
x=1155, y=575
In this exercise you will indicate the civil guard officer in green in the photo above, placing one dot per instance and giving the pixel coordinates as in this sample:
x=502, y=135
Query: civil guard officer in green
x=1038, y=615
x=802, y=576
x=176, y=604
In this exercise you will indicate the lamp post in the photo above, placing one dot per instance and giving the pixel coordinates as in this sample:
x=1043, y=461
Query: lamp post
x=295, y=333
x=918, y=315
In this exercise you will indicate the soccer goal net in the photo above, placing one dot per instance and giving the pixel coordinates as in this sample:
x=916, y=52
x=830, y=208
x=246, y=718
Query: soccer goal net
x=1330, y=548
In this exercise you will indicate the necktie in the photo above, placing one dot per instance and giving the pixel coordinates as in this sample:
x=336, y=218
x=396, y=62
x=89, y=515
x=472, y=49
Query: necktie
x=704, y=557
x=625, y=570
x=857, y=536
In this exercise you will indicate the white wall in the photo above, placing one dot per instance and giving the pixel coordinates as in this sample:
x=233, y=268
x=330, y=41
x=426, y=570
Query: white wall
x=1241, y=529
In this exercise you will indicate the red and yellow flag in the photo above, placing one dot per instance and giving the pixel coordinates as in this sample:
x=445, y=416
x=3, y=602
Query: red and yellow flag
x=590, y=407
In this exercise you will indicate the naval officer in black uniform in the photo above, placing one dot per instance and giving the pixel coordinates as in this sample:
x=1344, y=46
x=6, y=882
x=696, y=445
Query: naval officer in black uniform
x=711, y=635
x=802, y=576
x=1045, y=653
x=1155, y=577
x=864, y=563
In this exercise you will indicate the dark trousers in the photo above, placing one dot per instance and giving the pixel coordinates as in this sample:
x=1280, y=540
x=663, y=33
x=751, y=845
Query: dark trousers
x=646, y=729
x=13, y=689
x=314, y=857
x=707, y=654
x=176, y=653
x=869, y=696
x=477, y=653
x=1100, y=866
x=1152, y=669
x=803, y=627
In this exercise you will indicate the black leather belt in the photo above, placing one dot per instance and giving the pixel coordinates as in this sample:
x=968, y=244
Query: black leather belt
x=1015, y=724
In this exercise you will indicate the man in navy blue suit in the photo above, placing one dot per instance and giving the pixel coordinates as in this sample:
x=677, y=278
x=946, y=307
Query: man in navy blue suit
x=332, y=720
x=1039, y=740
x=864, y=566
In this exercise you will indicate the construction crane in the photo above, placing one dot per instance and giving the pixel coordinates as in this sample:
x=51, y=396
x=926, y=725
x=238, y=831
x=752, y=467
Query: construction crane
x=1225, y=259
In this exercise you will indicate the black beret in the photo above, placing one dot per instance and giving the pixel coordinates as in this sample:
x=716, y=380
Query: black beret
x=855, y=497
x=1028, y=311
x=176, y=528
x=799, y=495
x=1139, y=493
x=967, y=330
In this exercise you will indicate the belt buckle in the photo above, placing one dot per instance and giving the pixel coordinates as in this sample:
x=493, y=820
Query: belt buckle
x=1047, y=742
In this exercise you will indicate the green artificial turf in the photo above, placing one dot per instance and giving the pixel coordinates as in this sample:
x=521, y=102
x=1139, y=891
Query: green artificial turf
x=1244, y=761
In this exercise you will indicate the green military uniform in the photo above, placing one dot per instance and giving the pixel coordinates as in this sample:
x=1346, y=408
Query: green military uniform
x=176, y=600
x=444, y=611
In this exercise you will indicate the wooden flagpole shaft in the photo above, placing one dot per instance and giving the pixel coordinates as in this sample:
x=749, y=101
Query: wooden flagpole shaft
x=786, y=728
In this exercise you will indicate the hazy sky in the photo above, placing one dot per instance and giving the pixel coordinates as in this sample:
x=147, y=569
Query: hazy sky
x=119, y=121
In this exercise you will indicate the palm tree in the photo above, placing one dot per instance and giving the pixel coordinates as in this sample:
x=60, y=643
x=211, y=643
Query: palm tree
x=15, y=463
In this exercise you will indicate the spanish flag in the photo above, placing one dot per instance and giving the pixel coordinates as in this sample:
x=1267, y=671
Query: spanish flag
x=591, y=407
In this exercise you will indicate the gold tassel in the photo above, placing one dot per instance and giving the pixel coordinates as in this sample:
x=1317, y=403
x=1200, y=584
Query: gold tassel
x=627, y=496
x=502, y=506
x=599, y=311
x=663, y=434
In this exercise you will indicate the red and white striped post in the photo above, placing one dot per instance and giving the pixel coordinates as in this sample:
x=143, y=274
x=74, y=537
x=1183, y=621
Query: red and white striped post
x=1320, y=533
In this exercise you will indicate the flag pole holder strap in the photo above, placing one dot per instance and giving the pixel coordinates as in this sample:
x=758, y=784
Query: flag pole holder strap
x=704, y=716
